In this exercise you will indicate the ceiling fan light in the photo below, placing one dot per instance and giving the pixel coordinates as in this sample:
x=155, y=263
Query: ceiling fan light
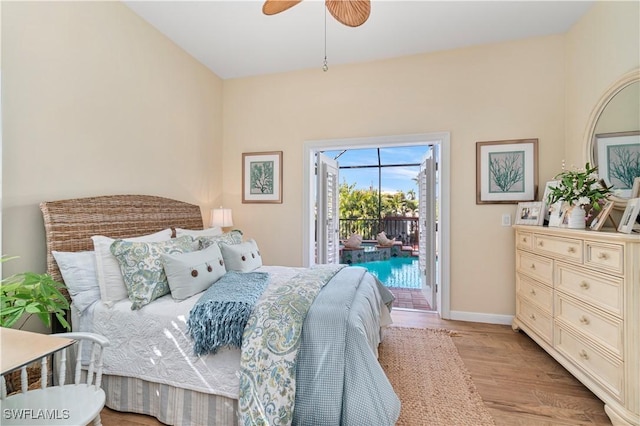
x=352, y=13
x=271, y=7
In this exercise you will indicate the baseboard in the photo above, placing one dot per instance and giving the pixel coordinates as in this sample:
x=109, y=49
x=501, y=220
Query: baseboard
x=480, y=317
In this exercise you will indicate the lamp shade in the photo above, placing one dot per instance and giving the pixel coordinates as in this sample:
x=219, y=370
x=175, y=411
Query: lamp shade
x=221, y=217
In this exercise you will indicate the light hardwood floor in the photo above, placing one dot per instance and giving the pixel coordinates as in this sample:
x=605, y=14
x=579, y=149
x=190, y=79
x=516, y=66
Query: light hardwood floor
x=519, y=382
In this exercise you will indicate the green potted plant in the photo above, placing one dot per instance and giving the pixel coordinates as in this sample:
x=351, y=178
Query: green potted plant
x=582, y=190
x=31, y=293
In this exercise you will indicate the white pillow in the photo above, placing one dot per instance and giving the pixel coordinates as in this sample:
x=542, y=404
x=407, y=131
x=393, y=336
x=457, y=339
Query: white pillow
x=209, y=232
x=108, y=272
x=191, y=273
x=78, y=271
x=243, y=257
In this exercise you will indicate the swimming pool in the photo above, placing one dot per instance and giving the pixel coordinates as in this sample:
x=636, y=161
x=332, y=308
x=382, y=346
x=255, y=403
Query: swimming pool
x=401, y=272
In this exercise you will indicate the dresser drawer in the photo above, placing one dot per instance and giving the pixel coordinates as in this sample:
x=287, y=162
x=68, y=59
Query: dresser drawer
x=538, y=267
x=563, y=248
x=605, y=330
x=606, y=370
x=604, y=256
x=536, y=319
x=603, y=291
x=535, y=293
x=524, y=240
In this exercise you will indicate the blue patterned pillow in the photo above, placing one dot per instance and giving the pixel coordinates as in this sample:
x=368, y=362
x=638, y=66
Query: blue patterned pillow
x=232, y=237
x=142, y=267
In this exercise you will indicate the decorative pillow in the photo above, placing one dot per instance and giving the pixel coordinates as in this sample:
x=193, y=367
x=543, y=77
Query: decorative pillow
x=142, y=267
x=78, y=271
x=232, y=237
x=191, y=273
x=209, y=232
x=243, y=257
x=354, y=241
x=110, y=280
x=383, y=240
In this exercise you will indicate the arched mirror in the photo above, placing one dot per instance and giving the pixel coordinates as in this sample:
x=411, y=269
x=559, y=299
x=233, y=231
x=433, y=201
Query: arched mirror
x=613, y=137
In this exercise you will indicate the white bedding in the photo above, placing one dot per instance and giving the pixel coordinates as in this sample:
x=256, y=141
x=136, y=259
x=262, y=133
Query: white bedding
x=137, y=351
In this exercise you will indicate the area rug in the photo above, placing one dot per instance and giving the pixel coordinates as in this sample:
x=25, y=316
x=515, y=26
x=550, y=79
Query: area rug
x=429, y=377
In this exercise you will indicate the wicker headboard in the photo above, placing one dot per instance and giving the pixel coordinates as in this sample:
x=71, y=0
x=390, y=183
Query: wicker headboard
x=70, y=224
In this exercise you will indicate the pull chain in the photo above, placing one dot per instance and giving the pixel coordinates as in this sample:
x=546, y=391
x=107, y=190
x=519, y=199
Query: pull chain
x=325, y=66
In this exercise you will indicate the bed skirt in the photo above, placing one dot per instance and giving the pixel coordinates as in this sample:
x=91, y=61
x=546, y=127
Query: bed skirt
x=170, y=405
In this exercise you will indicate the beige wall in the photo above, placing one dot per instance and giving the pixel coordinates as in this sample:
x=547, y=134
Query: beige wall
x=96, y=101
x=504, y=91
x=601, y=47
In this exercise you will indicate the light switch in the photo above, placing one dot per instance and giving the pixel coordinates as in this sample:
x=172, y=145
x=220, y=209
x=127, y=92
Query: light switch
x=506, y=220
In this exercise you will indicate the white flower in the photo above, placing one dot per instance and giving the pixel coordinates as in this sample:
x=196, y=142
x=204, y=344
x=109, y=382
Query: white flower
x=583, y=201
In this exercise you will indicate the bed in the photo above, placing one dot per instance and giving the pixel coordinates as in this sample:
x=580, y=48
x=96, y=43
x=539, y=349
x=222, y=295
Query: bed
x=151, y=367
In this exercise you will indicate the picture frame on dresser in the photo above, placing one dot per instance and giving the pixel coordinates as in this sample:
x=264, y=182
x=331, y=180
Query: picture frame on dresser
x=598, y=222
x=262, y=177
x=506, y=171
x=635, y=189
x=556, y=214
x=546, y=206
x=629, y=219
x=530, y=213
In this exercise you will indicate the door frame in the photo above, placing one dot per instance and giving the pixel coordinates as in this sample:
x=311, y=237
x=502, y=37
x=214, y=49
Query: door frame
x=442, y=139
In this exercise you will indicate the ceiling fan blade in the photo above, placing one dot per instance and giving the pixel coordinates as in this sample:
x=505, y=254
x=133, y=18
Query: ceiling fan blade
x=271, y=7
x=352, y=13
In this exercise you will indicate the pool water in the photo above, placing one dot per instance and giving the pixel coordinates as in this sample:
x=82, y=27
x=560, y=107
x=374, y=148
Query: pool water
x=402, y=272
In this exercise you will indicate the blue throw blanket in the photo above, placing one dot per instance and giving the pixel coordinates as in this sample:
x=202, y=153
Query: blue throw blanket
x=219, y=317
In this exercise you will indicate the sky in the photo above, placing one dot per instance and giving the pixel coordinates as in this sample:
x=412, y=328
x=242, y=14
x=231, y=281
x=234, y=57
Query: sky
x=393, y=178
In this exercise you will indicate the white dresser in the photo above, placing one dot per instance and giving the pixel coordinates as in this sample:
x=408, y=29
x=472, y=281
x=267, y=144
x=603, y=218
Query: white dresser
x=578, y=297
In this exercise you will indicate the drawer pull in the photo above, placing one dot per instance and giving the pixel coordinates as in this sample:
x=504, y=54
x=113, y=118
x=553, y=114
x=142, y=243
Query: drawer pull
x=524, y=239
x=584, y=320
x=532, y=316
x=583, y=354
x=533, y=266
x=571, y=249
x=533, y=292
x=584, y=285
x=603, y=256
x=540, y=243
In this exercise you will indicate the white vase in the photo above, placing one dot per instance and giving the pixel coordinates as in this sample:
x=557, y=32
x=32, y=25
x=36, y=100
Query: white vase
x=576, y=219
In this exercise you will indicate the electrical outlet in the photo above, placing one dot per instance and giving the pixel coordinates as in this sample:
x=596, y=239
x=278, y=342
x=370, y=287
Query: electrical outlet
x=506, y=220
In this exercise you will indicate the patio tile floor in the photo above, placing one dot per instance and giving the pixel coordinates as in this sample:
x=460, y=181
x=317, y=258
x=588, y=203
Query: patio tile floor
x=407, y=298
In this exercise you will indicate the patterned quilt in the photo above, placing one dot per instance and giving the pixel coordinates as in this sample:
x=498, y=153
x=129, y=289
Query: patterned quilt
x=316, y=351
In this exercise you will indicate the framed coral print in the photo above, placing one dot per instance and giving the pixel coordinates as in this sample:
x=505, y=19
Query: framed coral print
x=630, y=216
x=262, y=177
x=506, y=171
x=530, y=213
x=619, y=160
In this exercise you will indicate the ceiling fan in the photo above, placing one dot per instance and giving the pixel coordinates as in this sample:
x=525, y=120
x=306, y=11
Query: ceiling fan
x=352, y=13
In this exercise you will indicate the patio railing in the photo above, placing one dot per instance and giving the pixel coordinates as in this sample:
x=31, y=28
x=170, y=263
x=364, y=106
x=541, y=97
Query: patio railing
x=401, y=228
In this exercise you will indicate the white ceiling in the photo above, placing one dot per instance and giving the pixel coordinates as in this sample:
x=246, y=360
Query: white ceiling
x=234, y=39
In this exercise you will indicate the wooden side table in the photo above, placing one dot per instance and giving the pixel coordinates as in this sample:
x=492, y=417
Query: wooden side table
x=19, y=348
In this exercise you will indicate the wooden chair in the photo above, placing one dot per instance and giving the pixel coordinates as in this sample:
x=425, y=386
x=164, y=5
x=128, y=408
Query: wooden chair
x=62, y=403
